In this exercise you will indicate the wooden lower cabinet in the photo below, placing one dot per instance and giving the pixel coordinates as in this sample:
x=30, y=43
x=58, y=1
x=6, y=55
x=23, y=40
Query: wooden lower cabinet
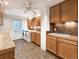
x=63, y=48
x=51, y=44
x=33, y=36
x=36, y=38
x=66, y=51
x=9, y=55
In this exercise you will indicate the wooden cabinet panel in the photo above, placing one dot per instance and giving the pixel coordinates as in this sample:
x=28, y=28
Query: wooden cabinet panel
x=74, y=15
x=55, y=14
x=51, y=44
x=37, y=21
x=66, y=51
x=33, y=37
x=1, y=19
x=60, y=49
x=38, y=38
x=30, y=24
x=34, y=22
x=2, y=56
x=52, y=9
x=69, y=10
x=1, y=15
x=9, y=55
x=65, y=11
x=51, y=37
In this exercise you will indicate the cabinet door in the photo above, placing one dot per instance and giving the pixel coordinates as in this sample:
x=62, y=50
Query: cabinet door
x=30, y=24
x=66, y=51
x=33, y=37
x=51, y=44
x=60, y=49
x=52, y=14
x=37, y=21
x=55, y=14
x=9, y=55
x=74, y=10
x=69, y=10
x=37, y=38
x=1, y=18
x=1, y=15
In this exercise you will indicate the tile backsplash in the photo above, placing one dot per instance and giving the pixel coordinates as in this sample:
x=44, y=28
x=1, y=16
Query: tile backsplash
x=70, y=28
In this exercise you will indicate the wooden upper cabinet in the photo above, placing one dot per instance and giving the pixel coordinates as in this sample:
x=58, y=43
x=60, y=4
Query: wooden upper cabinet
x=1, y=15
x=30, y=24
x=69, y=10
x=55, y=14
x=37, y=21
x=1, y=20
x=65, y=11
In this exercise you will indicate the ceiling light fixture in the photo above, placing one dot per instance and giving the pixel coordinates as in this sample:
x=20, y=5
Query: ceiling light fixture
x=6, y=3
x=3, y=2
x=49, y=0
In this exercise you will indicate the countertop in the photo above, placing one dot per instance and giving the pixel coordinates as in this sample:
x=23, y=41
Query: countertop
x=70, y=37
x=6, y=44
x=33, y=31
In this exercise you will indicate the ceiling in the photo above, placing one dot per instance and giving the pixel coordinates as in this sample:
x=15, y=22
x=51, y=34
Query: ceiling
x=14, y=5
x=35, y=3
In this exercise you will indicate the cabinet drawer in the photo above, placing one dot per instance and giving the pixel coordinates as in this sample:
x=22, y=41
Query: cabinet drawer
x=51, y=37
x=68, y=41
x=37, y=33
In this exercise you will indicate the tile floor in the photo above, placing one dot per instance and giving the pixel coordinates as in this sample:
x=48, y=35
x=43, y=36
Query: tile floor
x=25, y=50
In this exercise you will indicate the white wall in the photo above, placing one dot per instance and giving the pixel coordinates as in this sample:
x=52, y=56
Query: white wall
x=25, y=24
x=7, y=25
x=44, y=26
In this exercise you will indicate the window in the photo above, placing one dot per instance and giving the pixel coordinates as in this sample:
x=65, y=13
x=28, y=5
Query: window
x=17, y=25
